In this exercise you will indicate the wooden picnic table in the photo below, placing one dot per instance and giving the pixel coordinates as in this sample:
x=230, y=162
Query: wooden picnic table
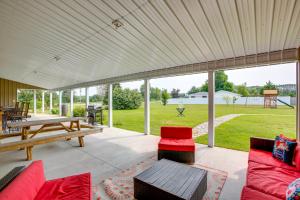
x=46, y=125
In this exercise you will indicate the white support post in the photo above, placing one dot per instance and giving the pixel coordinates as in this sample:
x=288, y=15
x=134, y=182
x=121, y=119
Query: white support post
x=60, y=103
x=87, y=97
x=43, y=101
x=298, y=98
x=147, y=107
x=51, y=106
x=110, y=106
x=211, y=109
x=72, y=102
x=34, y=102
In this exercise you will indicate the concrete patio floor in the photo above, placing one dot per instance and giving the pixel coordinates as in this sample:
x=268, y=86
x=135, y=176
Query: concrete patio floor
x=105, y=154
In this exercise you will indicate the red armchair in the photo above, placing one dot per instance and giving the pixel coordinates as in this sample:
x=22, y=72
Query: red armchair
x=176, y=144
x=31, y=184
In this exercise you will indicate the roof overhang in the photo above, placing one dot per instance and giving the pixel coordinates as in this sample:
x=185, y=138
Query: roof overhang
x=69, y=44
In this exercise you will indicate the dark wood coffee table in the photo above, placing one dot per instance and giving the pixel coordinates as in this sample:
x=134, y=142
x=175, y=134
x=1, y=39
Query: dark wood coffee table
x=170, y=180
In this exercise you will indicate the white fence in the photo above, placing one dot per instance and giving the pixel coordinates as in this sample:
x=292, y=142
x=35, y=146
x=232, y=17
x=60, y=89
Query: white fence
x=221, y=100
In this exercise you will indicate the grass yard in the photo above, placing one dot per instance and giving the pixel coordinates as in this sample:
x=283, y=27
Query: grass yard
x=233, y=134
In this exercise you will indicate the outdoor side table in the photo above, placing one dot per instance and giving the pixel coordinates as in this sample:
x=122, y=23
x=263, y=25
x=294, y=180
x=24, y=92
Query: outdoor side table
x=170, y=180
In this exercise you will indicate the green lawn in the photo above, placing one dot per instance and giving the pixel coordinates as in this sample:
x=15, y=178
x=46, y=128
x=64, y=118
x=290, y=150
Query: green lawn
x=233, y=134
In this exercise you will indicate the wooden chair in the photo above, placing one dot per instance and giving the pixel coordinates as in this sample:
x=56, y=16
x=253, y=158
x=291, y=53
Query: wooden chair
x=17, y=105
x=26, y=110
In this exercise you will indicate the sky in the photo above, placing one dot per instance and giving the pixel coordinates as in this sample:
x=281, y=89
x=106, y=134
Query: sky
x=256, y=76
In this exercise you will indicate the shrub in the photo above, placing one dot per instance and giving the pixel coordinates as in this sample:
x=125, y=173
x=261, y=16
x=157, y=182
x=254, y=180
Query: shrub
x=79, y=111
x=126, y=99
x=164, y=97
x=55, y=111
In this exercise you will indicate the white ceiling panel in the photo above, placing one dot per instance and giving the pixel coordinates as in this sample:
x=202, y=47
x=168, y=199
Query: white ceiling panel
x=59, y=43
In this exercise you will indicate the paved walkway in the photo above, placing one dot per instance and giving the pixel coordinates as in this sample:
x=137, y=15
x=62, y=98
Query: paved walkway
x=202, y=129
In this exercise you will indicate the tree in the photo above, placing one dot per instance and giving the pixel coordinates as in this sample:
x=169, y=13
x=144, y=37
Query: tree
x=204, y=87
x=227, y=99
x=114, y=86
x=175, y=93
x=194, y=89
x=254, y=91
x=126, y=99
x=242, y=90
x=268, y=86
x=164, y=97
x=221, y=83
x=155, y=93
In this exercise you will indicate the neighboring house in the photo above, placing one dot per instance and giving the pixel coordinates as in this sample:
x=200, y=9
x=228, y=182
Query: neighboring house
x=199, y=95
x=222, y=93
x=219, y=94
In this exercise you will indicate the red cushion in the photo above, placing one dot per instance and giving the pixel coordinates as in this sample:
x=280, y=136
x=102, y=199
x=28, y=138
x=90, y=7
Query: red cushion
x=176, y=132
x=251, y=194
x=176, y=144
x=76, y=187
x=266, y=157
x=269, y=179
x=26, y=185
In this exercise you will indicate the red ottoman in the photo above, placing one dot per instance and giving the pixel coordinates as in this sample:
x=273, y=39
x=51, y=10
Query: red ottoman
x=176, y=144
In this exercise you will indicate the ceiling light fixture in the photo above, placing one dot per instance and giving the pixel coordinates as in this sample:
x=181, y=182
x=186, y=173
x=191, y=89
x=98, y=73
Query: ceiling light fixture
x=117, y=24
x=57, y=58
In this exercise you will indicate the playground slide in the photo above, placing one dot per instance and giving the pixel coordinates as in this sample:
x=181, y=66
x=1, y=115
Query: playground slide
x=285, y=103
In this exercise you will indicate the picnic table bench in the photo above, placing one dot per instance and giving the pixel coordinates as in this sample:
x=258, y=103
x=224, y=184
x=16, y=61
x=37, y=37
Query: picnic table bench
x=46, y=126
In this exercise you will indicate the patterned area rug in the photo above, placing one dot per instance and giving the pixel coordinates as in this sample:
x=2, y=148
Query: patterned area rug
x=120, y=186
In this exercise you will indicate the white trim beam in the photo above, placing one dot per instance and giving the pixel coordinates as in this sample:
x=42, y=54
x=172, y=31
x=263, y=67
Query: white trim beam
x=271, y=58
x=110, y=105
x=211, y=109
x=147, y=107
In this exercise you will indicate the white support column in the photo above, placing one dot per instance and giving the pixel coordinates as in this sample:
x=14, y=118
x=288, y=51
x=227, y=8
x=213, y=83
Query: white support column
x=110, y=105
x=51, y=106
x=147, y=107
x=87, y=97
x=72, y=102
x=34, y=102
x=60, y=103
x=211, y=108
x=298, y=99
x=43, y=101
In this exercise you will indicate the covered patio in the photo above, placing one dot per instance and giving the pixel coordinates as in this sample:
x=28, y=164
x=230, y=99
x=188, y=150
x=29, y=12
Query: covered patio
x=115, y=150
x=58, y=46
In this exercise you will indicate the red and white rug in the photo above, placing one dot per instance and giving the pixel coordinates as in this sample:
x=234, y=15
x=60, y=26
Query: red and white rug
x=120, y=186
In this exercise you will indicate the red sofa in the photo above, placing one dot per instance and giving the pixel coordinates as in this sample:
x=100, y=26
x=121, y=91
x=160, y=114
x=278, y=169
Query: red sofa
x=267, y=177
x=176, y=144
x=31, y=184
